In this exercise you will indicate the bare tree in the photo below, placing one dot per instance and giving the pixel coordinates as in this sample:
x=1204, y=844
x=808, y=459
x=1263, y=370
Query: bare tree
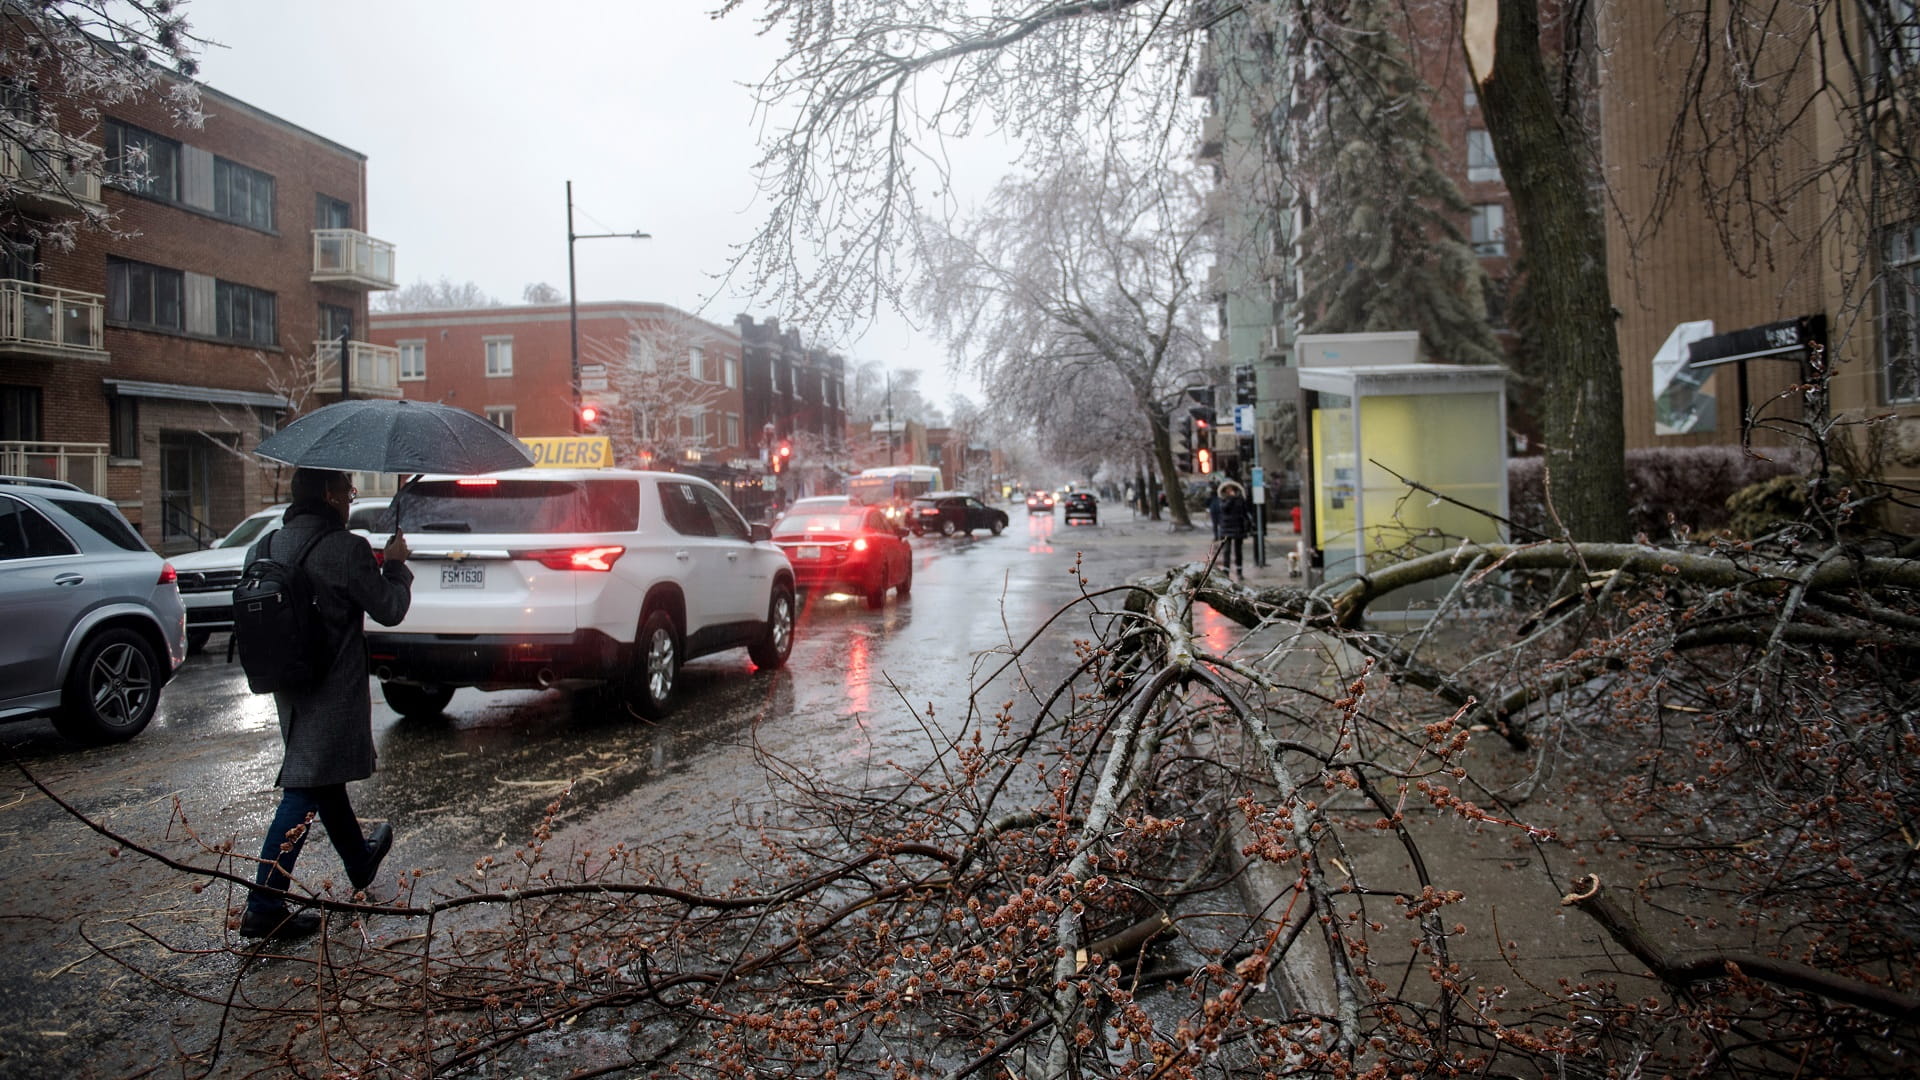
x=539, y=292
x=1091, y=269
x=444, y=294
x=659, y=410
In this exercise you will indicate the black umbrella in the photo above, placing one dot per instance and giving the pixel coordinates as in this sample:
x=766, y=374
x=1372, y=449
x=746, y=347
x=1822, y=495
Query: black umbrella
x=386, y=436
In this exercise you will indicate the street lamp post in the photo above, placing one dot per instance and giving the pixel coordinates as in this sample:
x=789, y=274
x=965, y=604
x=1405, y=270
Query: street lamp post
x=573, y=302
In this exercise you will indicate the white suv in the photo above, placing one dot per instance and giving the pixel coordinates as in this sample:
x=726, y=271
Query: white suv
x=545, y=577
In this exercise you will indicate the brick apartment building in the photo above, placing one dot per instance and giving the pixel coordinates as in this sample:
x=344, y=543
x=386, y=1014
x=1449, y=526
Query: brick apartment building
x=146, y=362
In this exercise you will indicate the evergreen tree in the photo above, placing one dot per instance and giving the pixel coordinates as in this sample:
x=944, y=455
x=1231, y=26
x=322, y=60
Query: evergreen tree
x=1382, y=249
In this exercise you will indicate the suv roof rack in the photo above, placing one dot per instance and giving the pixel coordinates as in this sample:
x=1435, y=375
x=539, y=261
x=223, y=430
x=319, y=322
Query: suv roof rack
x=41, y=481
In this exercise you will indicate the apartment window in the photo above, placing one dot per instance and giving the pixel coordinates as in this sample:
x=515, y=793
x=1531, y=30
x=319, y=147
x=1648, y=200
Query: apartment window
x=141, y=161
x=1900, y=312
x=20, y=100
x=733, y=429
x=499, y=356
x=700, y=425
x=336, y=322
x=501, y=416
x=413, y=360
x=19, y=414
x=244, y=313
x=123, y=427
x=1481, y=164
x=1894, y=28
x=16, y=259
x=143, y=295
x=242, y=195
x=1489, y=232
x=732, y=368
x=331, y=213
x=639, y=352
x=697, y=362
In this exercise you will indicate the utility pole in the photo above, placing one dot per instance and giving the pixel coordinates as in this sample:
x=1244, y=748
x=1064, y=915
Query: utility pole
x=889, y=375
x=573, y=303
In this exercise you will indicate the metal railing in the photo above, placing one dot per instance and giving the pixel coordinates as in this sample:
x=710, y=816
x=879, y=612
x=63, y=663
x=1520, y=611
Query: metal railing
x=51, y=167
x=81, y=464
x=38, y=317
x=371, y=369
x=349, y=256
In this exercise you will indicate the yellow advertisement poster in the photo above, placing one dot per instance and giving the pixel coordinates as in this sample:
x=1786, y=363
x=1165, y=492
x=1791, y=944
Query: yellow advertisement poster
x=571, y=452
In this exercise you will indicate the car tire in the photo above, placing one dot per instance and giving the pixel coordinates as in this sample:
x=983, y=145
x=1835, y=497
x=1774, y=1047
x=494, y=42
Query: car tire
x=901, y=590
x=876, y=591
x=112, y=690
x=997, y=526
x=416, y=702
x=775, y=644
x=197, y=640
x=948, y=528
x=656, y=666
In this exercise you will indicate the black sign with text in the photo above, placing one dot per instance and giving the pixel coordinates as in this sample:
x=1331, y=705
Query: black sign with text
x=1773, y=339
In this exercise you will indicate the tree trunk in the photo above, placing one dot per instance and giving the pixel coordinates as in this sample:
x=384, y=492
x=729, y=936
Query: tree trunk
x=1169, y=475
x=1547, y=172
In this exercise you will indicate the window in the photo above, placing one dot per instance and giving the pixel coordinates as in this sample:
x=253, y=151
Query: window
x=25, y=533
x=727, y=522
x=142, y=161
x=102, y=519
x=242, y=195
x=123, y=427
x=1894, y=27
x=501, y=416
x=697, y=362
x=20, y=100
x=639, y=352
x=143, y=295
x=16, y=259
x=413, y=360
x=1489, y=229
x=700, y=425
x=685, y=513
x=1900, y=312
x=499, y=356
x=19, y=414
x=733, y=429
x=732, y=368
x=1481, y=164
x=335, y=322
x=331, y=213
x=244, y=313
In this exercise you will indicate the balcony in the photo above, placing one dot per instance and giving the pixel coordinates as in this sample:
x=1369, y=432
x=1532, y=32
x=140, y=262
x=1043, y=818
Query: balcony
x=81, y=464
x=351, y=258
x=1213, y=131
x=372, y=370
x=39, y=321
x=48, y=172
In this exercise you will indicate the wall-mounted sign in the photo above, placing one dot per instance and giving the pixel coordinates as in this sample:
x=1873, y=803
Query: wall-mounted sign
x=571, y=452
x=1755, y=342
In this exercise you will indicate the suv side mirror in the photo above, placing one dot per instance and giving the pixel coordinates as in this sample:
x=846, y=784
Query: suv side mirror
x=760, y=531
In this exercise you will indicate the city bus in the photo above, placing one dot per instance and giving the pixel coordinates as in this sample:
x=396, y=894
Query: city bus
x=892, y=487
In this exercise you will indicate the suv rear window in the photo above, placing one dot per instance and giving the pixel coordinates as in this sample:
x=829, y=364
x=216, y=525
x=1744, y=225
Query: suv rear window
x=104, y=520
x=518, y=506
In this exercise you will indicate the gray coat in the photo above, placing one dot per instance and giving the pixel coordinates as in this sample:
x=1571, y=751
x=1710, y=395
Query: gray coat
x=328, y=727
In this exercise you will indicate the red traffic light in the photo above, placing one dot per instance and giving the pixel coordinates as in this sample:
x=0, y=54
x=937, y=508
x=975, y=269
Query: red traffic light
x=786, y=449
x=589, y=414
x=1203, y=461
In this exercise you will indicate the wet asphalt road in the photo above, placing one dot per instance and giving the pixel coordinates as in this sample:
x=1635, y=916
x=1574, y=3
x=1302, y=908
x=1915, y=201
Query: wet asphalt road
x=858, y=690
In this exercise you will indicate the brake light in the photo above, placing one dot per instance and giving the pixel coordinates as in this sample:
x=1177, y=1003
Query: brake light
x=472, y=481
x=167, y=575
x=587, y=558
x=860, y=543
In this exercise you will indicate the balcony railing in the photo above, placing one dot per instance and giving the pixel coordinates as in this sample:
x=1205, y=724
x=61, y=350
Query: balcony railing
x=48, y=171
x=81, y=464
x=352, y=258
x=372, y=370
x=45, y=321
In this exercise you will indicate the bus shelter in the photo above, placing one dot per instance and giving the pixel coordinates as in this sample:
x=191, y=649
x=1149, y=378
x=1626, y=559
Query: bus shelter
x=1440, y=425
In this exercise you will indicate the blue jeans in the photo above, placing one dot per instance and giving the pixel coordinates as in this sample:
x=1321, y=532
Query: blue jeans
x=278, y=851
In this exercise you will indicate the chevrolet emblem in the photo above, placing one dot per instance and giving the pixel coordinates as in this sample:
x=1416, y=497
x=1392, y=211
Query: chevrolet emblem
x=456, y=556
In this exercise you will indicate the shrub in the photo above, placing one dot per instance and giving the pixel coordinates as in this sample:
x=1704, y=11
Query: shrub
x=1688, y=484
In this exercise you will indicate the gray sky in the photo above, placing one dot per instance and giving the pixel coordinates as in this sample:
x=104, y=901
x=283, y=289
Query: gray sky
x=474, y=115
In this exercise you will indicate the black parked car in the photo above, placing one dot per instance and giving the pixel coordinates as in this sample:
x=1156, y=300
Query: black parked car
x=950, y=512
x=1083, y=506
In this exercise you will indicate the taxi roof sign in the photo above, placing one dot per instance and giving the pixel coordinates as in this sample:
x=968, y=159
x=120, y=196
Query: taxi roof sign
x=571, y=451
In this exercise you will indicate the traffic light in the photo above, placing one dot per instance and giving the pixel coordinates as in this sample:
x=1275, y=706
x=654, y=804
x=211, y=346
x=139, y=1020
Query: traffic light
x=591, y=417
x=1183, y=443
x=782, y=456
x=1203, y=461
x=1245, y=390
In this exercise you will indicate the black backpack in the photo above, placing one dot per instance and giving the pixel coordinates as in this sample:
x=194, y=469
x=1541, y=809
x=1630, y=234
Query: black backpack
x=275, y=623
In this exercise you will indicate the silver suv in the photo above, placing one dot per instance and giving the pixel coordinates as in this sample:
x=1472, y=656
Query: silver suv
x=94, y=626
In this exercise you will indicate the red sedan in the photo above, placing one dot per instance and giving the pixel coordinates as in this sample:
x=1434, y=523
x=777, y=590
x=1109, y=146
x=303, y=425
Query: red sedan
x=853, y=548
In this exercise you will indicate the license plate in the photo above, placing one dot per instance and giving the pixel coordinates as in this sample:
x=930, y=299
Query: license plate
x=809, y=552
x=463, y=576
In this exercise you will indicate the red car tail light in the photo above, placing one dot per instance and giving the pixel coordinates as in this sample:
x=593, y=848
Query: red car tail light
x=860, y=543
x=167, y=575
x=586, y=558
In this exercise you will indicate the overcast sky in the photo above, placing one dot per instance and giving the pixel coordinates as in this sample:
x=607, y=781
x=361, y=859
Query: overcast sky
x=474, y=114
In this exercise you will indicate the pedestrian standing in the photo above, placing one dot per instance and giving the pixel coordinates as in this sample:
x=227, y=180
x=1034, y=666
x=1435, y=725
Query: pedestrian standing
x=1235, y=524
x=1213, y=510
x=327, y=726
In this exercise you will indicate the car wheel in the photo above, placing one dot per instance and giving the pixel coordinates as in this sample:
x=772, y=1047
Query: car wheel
x=876, y=592
x=112, y=691
x=997, y=526
x=416, y=702
x=197, y=640
x=651, y=693
x=948, y=528
x=906, y=583
x=773, y=646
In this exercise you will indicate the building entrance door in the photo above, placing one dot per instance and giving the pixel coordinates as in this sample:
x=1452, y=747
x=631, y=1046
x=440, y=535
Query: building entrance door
x=186, y=489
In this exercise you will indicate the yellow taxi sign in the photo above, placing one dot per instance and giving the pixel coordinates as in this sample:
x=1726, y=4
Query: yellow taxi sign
x=571, y=451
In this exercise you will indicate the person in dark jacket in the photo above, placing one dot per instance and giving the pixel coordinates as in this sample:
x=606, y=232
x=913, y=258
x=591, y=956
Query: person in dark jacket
x=327, y=727
x=1236, y=523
